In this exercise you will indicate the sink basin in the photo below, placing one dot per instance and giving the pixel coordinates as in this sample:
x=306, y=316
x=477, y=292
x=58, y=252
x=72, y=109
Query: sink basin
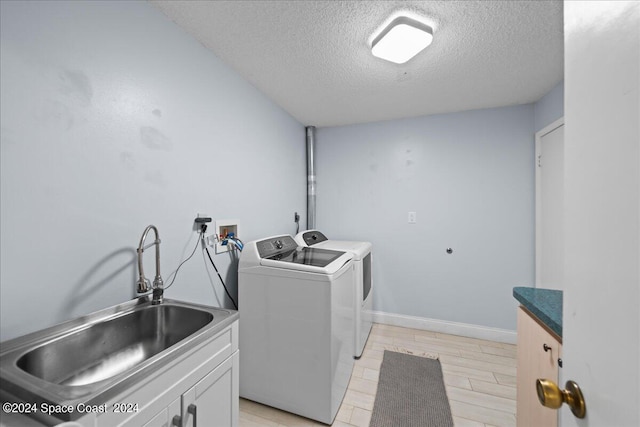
x=93, y=358
x=110, y=347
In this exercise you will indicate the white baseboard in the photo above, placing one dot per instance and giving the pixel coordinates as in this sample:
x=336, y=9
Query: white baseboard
x=446, y=327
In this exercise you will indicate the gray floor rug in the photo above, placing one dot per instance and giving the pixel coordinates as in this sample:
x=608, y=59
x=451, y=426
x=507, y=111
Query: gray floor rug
x=410, y=393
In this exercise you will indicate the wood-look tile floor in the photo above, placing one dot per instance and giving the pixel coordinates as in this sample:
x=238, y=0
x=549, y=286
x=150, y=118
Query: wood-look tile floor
x=479, y=375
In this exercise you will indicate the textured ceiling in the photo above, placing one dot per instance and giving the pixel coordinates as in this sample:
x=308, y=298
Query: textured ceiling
x=313, y=58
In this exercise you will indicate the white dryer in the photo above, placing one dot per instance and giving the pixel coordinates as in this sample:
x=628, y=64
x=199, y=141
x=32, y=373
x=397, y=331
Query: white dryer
x=363, y=299
x=296, y=326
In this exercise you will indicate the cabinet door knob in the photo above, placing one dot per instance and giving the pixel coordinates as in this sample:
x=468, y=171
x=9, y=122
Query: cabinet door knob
x=545, y=347
x=552, y=397
x=176, y=421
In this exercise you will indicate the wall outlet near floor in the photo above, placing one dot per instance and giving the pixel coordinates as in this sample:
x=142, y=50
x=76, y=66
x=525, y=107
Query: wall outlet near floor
x=223, y=228
x=412, y=218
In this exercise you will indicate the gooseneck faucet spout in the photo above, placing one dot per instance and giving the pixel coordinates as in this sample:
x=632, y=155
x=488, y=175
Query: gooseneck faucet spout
x=143, y=283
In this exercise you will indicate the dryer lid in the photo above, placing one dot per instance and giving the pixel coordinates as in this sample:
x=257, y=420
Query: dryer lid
x=358, y=249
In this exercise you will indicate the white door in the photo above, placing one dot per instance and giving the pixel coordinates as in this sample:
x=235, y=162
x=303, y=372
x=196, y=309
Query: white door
x=550, y=206
x=601, y=323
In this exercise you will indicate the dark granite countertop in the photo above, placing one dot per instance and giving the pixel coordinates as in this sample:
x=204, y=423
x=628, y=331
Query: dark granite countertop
x=545, y=304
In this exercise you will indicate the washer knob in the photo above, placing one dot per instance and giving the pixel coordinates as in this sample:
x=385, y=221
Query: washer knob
x=278, y=244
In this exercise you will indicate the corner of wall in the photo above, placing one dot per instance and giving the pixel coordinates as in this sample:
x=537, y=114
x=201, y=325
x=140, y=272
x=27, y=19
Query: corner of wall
x=549, y=108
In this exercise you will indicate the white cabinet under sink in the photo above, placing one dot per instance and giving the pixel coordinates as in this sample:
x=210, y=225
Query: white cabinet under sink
x=163, y=419
x=211, y=402
x=202, y=384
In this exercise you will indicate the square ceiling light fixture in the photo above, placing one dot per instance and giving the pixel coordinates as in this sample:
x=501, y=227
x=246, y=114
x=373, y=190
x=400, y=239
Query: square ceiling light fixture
x=401, y=40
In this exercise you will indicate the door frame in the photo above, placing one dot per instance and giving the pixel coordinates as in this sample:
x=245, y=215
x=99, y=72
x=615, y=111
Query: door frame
x=538, y=238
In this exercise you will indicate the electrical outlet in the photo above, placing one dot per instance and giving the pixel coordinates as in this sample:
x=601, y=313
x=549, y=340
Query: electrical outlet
x=211, y=240
x=201, y=219
x=412, y=218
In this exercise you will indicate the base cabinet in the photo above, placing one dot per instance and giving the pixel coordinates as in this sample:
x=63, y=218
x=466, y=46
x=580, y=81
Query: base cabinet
x=537, y=357
x=200, y=388
x=214, y=400
x=164, y=418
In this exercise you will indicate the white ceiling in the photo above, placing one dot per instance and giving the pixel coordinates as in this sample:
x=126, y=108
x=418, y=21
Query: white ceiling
x=313, y=58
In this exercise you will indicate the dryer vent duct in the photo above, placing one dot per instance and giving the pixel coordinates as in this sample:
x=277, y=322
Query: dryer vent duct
x=311, y=178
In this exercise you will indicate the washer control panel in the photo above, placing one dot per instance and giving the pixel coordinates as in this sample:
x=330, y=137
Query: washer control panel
x=274, y=245
x=313, y=237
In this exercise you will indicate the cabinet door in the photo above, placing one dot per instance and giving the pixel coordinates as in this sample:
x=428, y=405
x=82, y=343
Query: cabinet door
x=214, y=400
x=535, y=362
x=165, y=417
x=160, y=420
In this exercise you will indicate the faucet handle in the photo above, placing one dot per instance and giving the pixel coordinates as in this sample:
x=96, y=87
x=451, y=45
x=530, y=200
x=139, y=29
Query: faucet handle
x=143, y=285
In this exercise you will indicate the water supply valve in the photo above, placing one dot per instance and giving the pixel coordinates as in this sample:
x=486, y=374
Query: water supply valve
x=227, y=231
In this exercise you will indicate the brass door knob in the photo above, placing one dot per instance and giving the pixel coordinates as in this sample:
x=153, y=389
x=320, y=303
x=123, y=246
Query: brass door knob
x=551, y=396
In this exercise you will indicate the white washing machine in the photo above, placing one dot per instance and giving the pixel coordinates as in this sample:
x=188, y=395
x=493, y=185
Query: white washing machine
x=296, y=326
x=363, y=299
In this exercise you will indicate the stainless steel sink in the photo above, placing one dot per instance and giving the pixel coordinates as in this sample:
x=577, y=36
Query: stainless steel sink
x=110, y=347
x=93, y=358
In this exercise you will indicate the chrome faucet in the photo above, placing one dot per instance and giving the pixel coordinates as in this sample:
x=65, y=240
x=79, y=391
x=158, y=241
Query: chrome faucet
x=143, y=284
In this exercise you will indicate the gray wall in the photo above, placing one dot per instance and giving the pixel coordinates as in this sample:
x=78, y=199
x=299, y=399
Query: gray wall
x=113, y=118
x=549, y=108
x=469, y=177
